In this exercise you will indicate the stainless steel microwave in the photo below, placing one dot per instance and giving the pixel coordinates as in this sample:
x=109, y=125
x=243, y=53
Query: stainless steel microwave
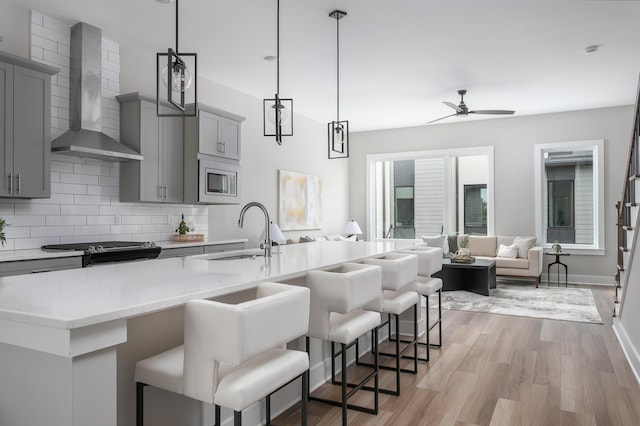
x=218, y=182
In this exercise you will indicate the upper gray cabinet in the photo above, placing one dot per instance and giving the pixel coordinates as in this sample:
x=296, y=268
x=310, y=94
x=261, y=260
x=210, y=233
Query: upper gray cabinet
x=214, y=132
x=159, y=176
x=25, y=127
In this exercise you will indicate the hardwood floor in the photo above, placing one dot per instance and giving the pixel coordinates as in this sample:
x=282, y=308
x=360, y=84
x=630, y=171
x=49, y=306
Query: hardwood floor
x=506, y=370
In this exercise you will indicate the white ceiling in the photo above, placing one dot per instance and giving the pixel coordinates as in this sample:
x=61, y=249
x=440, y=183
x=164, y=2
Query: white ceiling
x=399, y=60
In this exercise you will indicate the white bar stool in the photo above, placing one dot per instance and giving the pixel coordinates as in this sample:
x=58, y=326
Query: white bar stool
x=429, y=262
x=399, y=273
x=234, y=354
x=336, y=315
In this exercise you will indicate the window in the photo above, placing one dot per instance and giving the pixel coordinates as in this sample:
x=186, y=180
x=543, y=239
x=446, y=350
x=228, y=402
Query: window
x=423, y=193
x=569, y=198
x=475, y=209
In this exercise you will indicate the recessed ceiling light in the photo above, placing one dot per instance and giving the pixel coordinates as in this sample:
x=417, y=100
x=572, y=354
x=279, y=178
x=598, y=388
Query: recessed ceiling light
x=591, y=49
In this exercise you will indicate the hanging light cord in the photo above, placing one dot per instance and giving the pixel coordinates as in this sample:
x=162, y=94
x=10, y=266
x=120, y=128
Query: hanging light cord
x=177, y=28
x=338, y=68
x=278, y=48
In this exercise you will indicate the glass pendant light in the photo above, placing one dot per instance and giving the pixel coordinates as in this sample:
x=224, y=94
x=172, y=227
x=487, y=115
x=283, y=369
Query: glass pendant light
x=278, y=112
x=178, y=74
x=338, y=131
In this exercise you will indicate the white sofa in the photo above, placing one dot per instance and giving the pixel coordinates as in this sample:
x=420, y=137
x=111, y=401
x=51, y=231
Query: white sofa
x=527, y=263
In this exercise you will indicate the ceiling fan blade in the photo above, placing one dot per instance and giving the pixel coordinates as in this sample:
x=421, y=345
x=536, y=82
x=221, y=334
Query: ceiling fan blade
x=492, y=111
x=452, y=105
x=441, y=118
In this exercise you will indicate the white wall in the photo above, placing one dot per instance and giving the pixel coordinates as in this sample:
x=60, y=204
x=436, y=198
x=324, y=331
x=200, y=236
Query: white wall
x=513, y=139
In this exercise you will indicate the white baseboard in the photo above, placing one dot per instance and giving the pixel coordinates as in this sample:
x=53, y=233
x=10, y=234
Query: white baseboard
x=630, y=351
x=578, y=279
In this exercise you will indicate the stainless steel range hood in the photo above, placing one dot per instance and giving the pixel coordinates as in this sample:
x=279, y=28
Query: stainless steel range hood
x=84, y=137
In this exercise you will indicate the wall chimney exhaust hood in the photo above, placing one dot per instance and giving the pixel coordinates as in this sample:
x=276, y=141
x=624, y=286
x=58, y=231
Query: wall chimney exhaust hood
x=84, y=137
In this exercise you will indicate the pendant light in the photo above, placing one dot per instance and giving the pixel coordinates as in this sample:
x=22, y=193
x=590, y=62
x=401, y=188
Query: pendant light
x=178, y=73
x=338, y=131
x=278, y=112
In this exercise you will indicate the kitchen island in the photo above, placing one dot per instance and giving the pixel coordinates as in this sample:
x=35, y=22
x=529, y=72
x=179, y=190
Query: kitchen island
x=69, y=339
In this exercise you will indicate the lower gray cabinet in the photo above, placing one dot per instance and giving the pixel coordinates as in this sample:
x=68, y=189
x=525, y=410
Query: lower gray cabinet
x=193, y=250
x=34, y=266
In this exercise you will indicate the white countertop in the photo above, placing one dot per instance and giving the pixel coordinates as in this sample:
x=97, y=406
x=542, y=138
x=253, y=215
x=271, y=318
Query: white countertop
x=76, y=298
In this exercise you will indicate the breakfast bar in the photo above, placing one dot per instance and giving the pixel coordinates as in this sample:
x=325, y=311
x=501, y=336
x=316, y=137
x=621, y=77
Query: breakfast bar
x=69, y=339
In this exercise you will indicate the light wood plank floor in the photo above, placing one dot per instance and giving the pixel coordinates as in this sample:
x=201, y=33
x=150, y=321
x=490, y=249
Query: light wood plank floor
x=506, y=370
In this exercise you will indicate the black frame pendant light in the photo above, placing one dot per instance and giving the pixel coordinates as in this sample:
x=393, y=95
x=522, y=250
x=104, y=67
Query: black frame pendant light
x=177, y=73
x=338, y=131
x=277, y=112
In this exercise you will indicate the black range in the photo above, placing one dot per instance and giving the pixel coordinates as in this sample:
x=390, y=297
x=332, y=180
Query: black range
x=109, y=251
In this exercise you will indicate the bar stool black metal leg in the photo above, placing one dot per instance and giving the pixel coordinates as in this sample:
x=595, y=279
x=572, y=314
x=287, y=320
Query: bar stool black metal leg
x=217, y=415
x=140, y=403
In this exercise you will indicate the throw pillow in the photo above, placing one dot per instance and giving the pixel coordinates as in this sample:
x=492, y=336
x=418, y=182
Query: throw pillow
x=524, y=244
x=508, y=251
x=307, y=239
x=437, y=241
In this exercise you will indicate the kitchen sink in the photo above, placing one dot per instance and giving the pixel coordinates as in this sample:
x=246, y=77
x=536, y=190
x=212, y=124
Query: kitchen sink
x=235, y=255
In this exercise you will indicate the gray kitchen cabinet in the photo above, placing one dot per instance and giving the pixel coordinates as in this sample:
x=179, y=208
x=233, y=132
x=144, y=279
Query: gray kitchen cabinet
x=214, y=132
x=25, y=127
x=203, y=249
x=159, y=176
x=34, y=266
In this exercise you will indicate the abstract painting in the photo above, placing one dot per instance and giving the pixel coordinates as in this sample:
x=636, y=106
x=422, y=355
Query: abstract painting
x=299, y=200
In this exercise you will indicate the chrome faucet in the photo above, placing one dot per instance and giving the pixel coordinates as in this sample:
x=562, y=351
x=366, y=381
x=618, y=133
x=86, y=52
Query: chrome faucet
x=267, y=244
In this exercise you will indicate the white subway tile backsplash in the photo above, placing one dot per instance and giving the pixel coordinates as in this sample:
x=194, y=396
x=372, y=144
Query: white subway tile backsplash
x=50, y=34
x=91, y=169
x=27, y=209
x=126, y=229
x=44, y=43
x=91, y=200
x=61, y=166
x=6, y=208
x=108, y=181
x=110, y=46
x=18, y=231
x=64, y=49
x=25, y=220
x=37, y=17
x=34, y=243
x=58, y=26
x=68, y=188
x=66, y=220
x=51, y=231
x=37, y=52
x=109, y=191
x=91, y=230
x=60, y=199
x=100, y=220
x=121, y=210
x=80, y=210
x=56, y=58
x=82, y=179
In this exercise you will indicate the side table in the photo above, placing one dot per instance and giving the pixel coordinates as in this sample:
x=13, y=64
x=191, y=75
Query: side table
x=557, y=262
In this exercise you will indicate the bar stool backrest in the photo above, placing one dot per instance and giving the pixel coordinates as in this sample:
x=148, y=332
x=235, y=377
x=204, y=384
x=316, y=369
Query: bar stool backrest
x=234, y=333
x=398, y=270
x=429, y=259
x=340, y=290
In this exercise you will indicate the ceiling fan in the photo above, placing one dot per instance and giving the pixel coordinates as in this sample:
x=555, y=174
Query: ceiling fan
x=462, y=109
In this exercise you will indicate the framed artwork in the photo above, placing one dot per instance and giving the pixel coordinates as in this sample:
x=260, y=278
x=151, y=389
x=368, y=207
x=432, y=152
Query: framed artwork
x=299, y=201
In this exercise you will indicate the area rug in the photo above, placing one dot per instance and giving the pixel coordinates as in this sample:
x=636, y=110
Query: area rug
x=567, y=304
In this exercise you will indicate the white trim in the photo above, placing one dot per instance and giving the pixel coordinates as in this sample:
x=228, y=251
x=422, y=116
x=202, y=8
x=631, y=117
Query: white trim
x=488, y=151
x=575, y=279
x=630, y=352
x=597, y=147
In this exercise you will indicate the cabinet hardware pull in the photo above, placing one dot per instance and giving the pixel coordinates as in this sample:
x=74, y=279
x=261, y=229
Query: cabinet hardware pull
x=10, y=183
x=19, y=183
x=159, y=191
x=165, y=192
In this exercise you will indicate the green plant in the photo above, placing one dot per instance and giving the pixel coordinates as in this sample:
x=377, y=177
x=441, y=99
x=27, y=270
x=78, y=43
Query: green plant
x=3, y=223
x=182, y=227
x=463, y=241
